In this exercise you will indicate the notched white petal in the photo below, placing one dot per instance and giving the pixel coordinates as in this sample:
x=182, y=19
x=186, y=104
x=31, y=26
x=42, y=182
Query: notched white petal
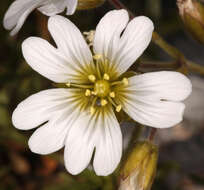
x=166, y=85
x=20, y=10
x=70, y=42
x=108, y=31
x=53, y=7
x=40, y=107
x=49, y=61
x=51, y=137
x=158, y=114
x=71, y=6
x=109, y=145
x=17, y=14
x=153, y=98
x=122, y=51
x=133, y=42
x=100, y=131
x=80, y=143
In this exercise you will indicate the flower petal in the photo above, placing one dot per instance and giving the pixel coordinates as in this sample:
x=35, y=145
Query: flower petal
x=154, y=113
x=108, y=33
x=133, y=42
x=152, y=98
x=71, y=6
x=17, y=14
x=167, y=85
x=53, y=7
x=70, y=42
x=49, y=62
x=100, y=130
x=51, y=137
x=41, y=107
x=109, y=147
x=80, y=144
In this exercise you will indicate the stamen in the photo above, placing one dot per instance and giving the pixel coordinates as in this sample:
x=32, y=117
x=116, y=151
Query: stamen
x=94, y=93
x=106, y=76
x=106, y=65
x=125, y=81
x=79, y=85
x=112, y=94
x=97, y=56
x=117, y=107
x=68, y=84
x=104, y=102
x=98, y=68
x=92, y=110
x=92, y=78
x=88, y=92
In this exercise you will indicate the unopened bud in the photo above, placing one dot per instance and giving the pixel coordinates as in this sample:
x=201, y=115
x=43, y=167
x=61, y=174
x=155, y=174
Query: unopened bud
x=192, y=15
x=89, y=4
x=139, y=170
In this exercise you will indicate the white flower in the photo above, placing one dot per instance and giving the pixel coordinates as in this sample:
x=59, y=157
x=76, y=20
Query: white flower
x=81, y=115
x=20, y=10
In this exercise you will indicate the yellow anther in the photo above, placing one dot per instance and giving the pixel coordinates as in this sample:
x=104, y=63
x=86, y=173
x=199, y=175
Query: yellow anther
x=92, y=110
x=106, y=76
x=93, y=93
x=104, y=102
x=92, y=78
x=125, y=81
x=68, y=84
x=88, y=92
x=118, y=108
x=112, y=94
x=97, y=56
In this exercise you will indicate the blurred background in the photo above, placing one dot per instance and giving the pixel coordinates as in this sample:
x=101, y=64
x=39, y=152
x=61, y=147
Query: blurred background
x=181, y=157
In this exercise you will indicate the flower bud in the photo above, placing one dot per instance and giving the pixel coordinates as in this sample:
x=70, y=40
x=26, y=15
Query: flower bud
x=192, y=14
x=89, y=4
x=139, y=170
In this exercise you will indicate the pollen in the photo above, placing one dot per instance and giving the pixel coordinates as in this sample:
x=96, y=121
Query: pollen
x=125, y=81
x=92, y=78
x=118, y=108
x=104, y=102
x=106, y=76
x=112, y=94
x=94, y=93
x=68, y=84
x=88, y=92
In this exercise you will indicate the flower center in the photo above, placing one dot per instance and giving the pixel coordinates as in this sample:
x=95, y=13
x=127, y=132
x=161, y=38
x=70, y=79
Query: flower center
x=102, y=88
